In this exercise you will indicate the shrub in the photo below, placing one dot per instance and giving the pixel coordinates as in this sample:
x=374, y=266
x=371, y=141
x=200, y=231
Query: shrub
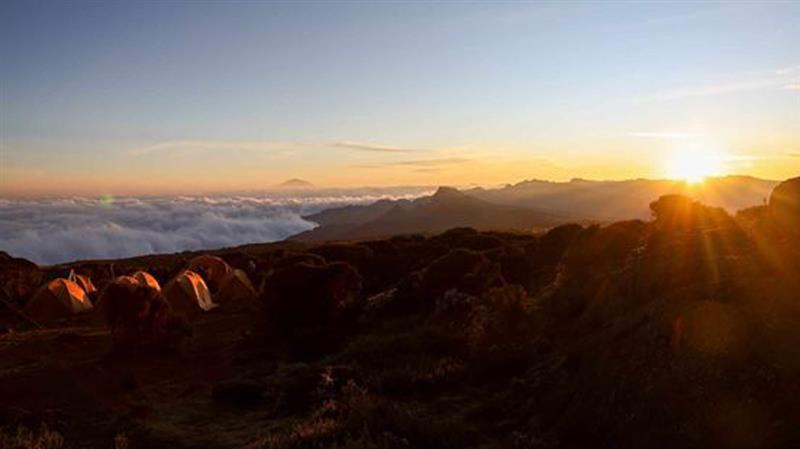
x=357, y=419
x=306, y=296
x=596, y=250
x=379, y=269
x=678, y=212
x=501, y=318
x=138, y=315
x=461, y=269
x=24, y=438
x=496, y=330
x=554, y=243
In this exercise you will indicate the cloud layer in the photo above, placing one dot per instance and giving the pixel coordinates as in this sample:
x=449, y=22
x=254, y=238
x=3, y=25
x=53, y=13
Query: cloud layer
x=60, y=230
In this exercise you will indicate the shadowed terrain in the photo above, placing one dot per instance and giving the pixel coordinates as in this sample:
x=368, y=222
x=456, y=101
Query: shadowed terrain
x=616, y=200
x=527, y=205
x=446, y=208
x=676, y=331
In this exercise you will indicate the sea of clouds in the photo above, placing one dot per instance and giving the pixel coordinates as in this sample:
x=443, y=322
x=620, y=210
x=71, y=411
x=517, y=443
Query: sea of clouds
x=50, y=231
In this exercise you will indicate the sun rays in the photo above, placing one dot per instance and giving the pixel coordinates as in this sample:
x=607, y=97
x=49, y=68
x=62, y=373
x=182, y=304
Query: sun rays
x=694, y=163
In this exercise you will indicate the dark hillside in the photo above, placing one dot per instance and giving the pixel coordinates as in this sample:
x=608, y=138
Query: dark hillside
x=445, y=209
x=680, y=331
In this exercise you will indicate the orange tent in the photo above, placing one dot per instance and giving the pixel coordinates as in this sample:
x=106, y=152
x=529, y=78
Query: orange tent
x=60, y=298
x=236, y=288
x=125, y=279
x=212, y=267
x=139, y=278
x=145, y=278
x=85, y=283
x=188, y=293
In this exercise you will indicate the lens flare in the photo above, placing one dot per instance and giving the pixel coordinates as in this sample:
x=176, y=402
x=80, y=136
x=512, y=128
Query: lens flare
x=106, y=200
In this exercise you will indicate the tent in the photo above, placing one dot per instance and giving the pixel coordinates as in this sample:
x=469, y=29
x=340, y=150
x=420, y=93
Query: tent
x=85, y=283
x=145, y=278
x=188, y=293
x=236, y=288
x=138, y=278
x=125, y=279
x=59, y=298
x=213, y=268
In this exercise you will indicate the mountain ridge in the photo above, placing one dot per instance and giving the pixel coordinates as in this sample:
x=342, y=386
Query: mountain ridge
x=446, y=208
x=295, y=183
x=541, y=202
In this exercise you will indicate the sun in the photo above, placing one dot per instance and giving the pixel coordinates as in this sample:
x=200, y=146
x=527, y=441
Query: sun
x=693, y=165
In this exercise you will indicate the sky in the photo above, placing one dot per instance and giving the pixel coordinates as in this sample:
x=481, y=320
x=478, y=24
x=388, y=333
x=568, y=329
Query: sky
x=143, y=97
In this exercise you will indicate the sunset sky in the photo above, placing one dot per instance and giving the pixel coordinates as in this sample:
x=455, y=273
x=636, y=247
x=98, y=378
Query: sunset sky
x=164, y=97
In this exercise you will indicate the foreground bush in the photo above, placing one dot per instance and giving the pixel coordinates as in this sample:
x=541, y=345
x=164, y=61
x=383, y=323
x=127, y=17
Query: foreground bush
x=357, y=419
x=138, y=316
x=24, y=438
x=306, y=296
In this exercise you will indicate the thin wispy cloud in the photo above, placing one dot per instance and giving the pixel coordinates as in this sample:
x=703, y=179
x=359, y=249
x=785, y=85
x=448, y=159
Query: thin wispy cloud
x=217, y=145
x=188, y=145
x=423, y=163
x=433, y=162
x=782, y=77
x=376, y=148
x=716, y=89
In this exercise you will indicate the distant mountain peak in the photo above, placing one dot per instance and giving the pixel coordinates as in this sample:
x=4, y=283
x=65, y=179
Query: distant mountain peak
x=295, y=183
x=447, y=192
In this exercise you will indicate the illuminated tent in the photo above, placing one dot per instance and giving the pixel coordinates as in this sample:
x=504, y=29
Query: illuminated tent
x=59, y=298
x=85, y=283
x=188, y=293
x=212, y=268
x=236, y=288
x=145, y=278
x=125, y=279
x=139, y=278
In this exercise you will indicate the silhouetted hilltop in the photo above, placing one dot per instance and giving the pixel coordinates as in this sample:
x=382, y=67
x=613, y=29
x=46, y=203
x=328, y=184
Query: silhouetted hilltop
x=446, y=208
x=351, y=215
x=295, y=183
x=549, y=203
x=620, y=200
x=784, y=205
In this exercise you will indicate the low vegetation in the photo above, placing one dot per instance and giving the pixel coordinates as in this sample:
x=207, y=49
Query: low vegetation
x=676, y=332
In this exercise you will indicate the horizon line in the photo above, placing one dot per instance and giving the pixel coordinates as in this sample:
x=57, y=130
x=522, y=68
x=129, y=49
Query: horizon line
x=274, y=188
